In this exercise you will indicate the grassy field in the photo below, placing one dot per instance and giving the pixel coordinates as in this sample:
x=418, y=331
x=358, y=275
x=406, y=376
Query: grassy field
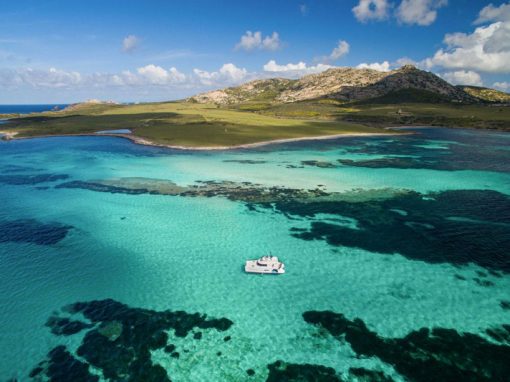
x=202, y=125
x=390, y=114
x=180, y=124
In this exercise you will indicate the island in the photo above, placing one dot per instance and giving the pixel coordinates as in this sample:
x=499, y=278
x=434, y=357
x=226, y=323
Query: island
x=337, y=102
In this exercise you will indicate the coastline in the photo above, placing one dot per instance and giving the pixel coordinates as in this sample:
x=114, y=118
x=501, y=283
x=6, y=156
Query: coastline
x=145, y=142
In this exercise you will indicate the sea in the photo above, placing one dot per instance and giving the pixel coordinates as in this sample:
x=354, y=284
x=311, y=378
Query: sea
x=26, y=109
x=126, y=262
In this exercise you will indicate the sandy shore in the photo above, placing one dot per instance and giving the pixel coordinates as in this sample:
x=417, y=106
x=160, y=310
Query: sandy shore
x=142, y=141
x=8, y=135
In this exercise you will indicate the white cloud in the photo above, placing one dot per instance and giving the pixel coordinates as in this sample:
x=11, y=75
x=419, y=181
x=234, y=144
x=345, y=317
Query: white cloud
x=303, y=8
x=492, y=13
x=406, y=61
x=463, y=77
x=380, y=66
x=156, y=75
x=272, y=66
x=39, y=78
x=340, y=50
x=130, y=43
x=250, y=41
x=294, y=70
x=271, y=42
x=228, y=74
x=504, y=86
x=371, y=10
x=487, y=49
x=253, y=40
x=148, y=75
x=420, y=12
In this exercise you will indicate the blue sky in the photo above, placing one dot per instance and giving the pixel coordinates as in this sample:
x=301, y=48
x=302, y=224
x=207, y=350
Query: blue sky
x=55, y=51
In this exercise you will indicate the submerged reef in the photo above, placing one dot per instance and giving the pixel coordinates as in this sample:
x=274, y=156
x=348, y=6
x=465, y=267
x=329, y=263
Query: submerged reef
x=119, y=341
x=441, y=150
x=280, y=371
x=62, y=366
x=389, y=162
x=455, y=226
x=32, y=231
x=425, y=355
x=244, y=161
x=23, y=179
x=458, y=226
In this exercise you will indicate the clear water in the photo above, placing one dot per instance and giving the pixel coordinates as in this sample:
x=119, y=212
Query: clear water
x=118, y=131
x=186, y=253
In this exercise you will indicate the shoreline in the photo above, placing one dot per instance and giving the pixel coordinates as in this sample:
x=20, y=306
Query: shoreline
x=8, y=136
x=146, y=142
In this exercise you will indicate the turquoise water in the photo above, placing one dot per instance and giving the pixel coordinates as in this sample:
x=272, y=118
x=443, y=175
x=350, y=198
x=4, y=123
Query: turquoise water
x=118, y=131
x=165, y=252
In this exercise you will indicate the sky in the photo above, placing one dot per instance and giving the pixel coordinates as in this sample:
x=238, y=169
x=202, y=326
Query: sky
x=134, y=51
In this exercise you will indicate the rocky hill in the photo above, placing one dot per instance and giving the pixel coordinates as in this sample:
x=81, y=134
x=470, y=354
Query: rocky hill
x=487, y=94
x=348, y=84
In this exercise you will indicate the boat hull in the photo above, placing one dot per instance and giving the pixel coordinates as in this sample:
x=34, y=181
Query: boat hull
x=253, y=266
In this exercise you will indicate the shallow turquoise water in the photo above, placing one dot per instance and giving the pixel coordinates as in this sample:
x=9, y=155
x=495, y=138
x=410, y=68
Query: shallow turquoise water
x=186, y=253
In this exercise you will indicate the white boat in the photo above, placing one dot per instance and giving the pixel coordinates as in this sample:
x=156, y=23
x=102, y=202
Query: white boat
x=266, y=264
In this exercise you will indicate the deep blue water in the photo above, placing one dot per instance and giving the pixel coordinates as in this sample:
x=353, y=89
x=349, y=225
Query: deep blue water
x=25, y=109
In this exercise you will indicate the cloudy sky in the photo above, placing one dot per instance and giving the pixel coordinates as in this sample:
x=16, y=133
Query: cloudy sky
x=60, y=52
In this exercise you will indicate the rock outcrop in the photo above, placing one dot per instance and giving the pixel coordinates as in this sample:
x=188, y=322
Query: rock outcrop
x=347, y=84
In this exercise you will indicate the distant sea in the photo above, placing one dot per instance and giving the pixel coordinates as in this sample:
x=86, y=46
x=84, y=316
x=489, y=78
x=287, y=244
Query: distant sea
x=25, y=109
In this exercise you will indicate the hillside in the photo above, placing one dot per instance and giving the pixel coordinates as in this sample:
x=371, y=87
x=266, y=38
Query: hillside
x=487, y=94
x=350, y=84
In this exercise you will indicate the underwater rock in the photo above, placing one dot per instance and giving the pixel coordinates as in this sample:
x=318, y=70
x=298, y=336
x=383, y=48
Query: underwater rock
x=197, y=335
x=436, y=239
x=484, y=283
x=20, y=180
x=93, y=186
x=389, y=162
x=501, y=334
x=120, y=339
x=423, y=355
x=361, y=374
x=250, y=372
x=111, y=330
x=16, y=168
x=32, y=231
x=170, y=348
x=505, y=305
x=280, y=371
x=318, y=163
x=62, y=366
x=244, y=161
x=63, y=326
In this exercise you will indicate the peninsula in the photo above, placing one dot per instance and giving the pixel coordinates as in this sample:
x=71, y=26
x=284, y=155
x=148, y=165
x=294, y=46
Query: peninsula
x=337, y=102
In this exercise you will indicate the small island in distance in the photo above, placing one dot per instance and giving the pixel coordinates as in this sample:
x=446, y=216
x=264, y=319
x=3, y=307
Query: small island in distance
x=337, y=102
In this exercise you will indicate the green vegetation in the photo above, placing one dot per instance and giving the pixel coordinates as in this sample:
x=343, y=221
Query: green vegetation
x=252, y=115
x=386, y=111
x=486, y=94
x=179, y=124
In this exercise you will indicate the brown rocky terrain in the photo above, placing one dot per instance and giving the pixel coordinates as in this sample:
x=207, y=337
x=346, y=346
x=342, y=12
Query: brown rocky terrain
x=347, y=84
